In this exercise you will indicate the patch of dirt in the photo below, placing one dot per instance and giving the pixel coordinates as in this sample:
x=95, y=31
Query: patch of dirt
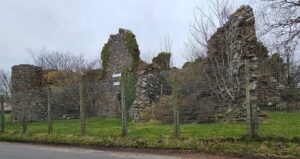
x=183, y=154
x=205, y=156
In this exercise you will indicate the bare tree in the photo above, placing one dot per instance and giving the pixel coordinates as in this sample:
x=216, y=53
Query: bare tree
x=296, y=75
x=5, y=85
x=282, y=19
x=219, y=69
x=222, y=67
x=66, y=61
x=206, y=22
x=287, y=53
x=148, y=56
x=280, y=28
x=166, y=46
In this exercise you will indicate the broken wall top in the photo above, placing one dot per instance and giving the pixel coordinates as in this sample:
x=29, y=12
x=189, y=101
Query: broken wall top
x=120, y=52
x=237, y=38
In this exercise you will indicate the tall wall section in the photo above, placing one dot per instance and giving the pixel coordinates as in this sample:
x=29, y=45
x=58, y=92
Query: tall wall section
x=120, y=53
x=236, y=41
x=214, y=87
x=151, y=85
x=232, y=44
x=27, y=91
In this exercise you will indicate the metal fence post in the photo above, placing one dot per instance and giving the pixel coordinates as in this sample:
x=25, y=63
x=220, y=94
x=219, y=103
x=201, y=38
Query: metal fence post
x=49, y=110
x=82, y=109
x=251, y=105
x=123, y=107
x=2, y=127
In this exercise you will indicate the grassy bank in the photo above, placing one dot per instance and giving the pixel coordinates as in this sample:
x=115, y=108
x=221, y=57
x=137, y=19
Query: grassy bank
x=264, y=148
x=280, y=136
x=277, y=125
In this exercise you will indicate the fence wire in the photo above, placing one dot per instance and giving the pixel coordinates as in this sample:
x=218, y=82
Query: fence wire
x=206, y=100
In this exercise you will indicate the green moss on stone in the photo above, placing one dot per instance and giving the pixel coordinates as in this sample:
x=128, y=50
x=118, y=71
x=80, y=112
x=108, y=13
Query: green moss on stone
x=133, y=47
x=105, y=57
x=129, y=81
x=162, y=60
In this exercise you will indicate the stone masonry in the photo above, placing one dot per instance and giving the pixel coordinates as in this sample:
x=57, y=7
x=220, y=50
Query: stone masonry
x=150, y=87
x=119, y=59
x=236, y=41
x=27, y=91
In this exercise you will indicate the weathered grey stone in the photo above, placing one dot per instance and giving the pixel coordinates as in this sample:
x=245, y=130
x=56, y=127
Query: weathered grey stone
x=27, y=91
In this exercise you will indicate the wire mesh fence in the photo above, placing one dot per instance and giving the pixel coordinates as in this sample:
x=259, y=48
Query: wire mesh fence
x=278, y=99
x=202, y=101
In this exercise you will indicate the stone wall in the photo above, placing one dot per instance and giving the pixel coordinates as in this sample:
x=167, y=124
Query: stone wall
x=102, y=98
x=237, y=41
x=27, y=90
x=118, y=54
x=150, y=87
x=234, y=43
x=26, y=77
x=105, y=99
x=121, y=52
x=214, y=87
x=237, y=38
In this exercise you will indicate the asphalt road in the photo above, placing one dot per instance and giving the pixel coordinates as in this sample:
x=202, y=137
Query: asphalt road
x=27, y=151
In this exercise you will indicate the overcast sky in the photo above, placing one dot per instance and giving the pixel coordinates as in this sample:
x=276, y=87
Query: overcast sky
x=83, y=26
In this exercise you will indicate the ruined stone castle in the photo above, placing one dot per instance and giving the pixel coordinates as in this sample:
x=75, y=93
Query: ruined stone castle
x=29, y=86
x=236, y=38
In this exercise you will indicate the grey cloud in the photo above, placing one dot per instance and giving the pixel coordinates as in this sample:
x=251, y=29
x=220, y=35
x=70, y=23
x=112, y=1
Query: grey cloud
x=83, y=26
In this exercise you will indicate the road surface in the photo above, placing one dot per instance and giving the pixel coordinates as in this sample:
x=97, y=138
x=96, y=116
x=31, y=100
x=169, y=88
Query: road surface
x=31, y=151
x=27, y=151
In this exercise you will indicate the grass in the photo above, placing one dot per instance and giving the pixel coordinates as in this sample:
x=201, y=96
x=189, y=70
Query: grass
x=280, y=135
x=277, y=125
x=281, y=124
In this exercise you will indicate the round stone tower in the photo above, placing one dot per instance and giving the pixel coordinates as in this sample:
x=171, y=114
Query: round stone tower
x=26, y=82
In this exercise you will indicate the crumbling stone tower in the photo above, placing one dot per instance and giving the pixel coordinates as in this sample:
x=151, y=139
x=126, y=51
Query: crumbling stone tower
x=234, y=43
x=27, y=91
x=120, y=53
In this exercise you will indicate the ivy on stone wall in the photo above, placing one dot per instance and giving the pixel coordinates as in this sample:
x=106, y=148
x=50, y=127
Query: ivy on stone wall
x=105, y=57
x=133, y=48
x=129, y=80
x=162, y=60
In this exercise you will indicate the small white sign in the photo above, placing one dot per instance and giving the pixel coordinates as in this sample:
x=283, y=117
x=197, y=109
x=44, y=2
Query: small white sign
x=116, y=75
x=116, y=83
